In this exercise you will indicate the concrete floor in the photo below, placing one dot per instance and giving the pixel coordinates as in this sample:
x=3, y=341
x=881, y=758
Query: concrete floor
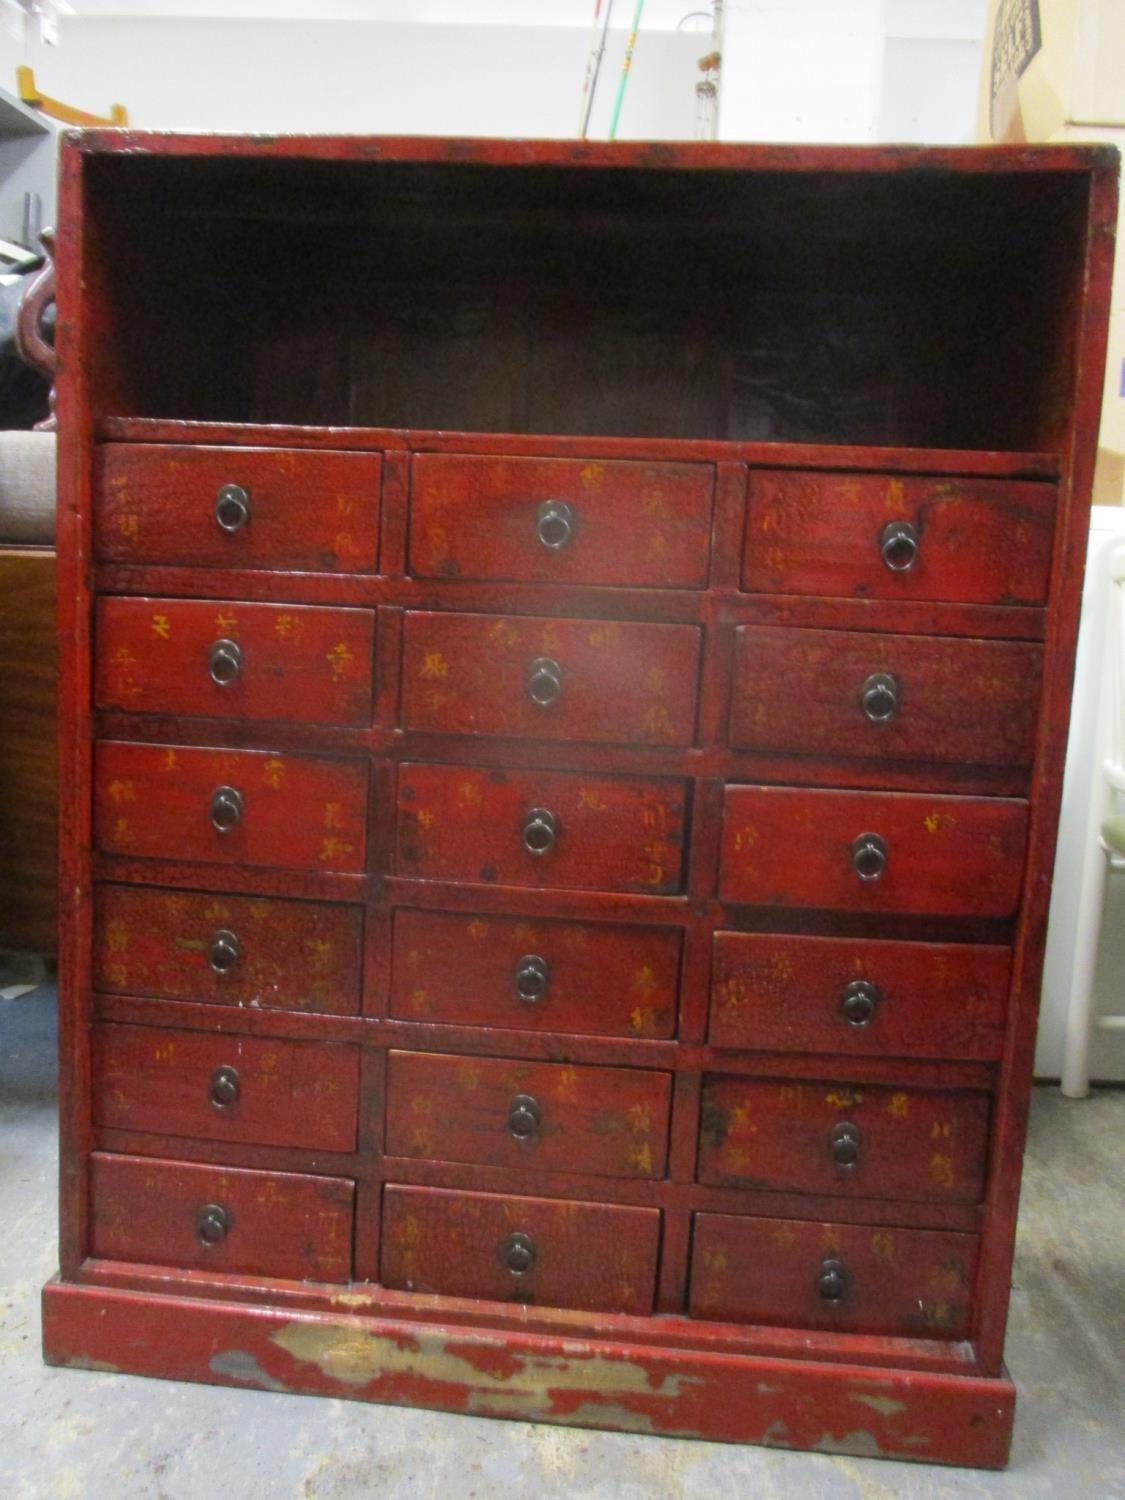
x=73, y=1435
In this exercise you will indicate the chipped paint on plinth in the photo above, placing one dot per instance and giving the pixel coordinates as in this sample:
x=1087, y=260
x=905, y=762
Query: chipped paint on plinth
x=584, y=1387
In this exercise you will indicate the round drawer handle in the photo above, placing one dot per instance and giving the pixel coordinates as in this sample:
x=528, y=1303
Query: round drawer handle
x=832, y=1279
x=224, y=1088
x=212, y=1225
x=879, y=697
x=518, y=1252
x=232, y=507
x=554, y=524
x=544, y=681
x=525, y=1117
x=532, y=977
x=226, y=808
x=225, y=662
x=224, y=949
x=540, y=830
x=898, y=546
x=843, y=1144
x=869, y=856
x=859, y=1002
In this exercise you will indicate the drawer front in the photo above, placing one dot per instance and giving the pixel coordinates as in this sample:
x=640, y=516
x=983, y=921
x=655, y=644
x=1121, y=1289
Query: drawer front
x=220, y=1219
x=603, y=681
x=780, y=993
x=560, y=520
x=858, y=1141
x=228, y=950
x=290, y=509
x=533, y=975
x=854, y=695
x=174, y=802
x=225, y=659
x=856, y=1278
x=541, y=828
x=594, y=1256
x=547, y=1117
x=225, y=1088
x=873, y=851
x=881, y=536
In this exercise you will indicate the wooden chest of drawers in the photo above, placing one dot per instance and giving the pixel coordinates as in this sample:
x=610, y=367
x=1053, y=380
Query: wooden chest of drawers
x=563, y=711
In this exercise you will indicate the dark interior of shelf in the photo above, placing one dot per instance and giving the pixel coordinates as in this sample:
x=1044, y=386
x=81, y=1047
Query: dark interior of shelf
x=919, y=307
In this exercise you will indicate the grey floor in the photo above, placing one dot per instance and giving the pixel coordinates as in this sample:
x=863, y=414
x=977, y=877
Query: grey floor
x=73, y=1435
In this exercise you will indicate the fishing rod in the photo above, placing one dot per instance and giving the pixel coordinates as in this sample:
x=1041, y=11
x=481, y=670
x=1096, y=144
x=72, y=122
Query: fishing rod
x=625, y=64
x=594, y=65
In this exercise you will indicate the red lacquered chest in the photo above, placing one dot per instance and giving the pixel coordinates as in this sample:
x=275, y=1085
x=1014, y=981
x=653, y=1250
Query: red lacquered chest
x=563, y=722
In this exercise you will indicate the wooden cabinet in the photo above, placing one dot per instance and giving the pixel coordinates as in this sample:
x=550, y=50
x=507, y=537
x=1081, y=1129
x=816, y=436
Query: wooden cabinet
x=563, y=726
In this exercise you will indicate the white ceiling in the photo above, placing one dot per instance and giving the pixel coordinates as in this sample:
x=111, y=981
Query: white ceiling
x=658, y=15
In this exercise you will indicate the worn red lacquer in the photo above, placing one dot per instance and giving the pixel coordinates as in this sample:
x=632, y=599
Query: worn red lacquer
x=534, y=1032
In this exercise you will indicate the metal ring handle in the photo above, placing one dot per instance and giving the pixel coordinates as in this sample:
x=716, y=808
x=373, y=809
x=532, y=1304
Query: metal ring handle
x=859, y=1002
x=518, y=1252
x=31, y=345
x=525, y=1117
x=212, y=1225
x=554, y=524
x=544, y=681
x=869, y=856
x=540, y=830
x=232, y=507
x=898, y=546
x=531, y=979
x=225, y=662
x=843, y=1144
x=224, y=1088
x=227, y=808
x=879, y=697
x=224, y=950
x=832, y=1279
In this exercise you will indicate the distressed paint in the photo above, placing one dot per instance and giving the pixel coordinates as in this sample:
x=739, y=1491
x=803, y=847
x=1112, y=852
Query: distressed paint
x=980, y=576
x=581, y=1382
x=640, y=524
x=300, y=664
x=622, y=682
x=915, y=1144
x=946, y=856
x=820, y=534
x=602, y=978
x=155, y=504
x=292, y=955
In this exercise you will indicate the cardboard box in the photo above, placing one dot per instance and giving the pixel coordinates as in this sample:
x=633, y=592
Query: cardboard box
x=1054, y=70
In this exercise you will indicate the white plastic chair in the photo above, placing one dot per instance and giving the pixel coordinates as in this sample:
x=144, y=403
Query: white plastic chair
x=1104, y=848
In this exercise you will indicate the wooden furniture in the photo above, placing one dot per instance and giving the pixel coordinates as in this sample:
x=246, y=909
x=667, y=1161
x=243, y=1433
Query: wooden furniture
x=28, y=762
x=566, y=664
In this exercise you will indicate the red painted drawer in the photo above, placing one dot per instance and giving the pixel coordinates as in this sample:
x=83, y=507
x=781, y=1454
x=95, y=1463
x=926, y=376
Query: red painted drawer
x=221, y=1219
x=949, y=856
x=535, y=975
x=545, y=1117
x=604, y=681
x=855, y=1278
x=885, y=697
x=595, y=1256
x=228, y=950
x=612, y=833
x=779, y=993
x=233, y=660
x=158, y=802
x=974, y=541
x=862, y=1141
x=306, y=511
x=225, y=1088
x=560, y=520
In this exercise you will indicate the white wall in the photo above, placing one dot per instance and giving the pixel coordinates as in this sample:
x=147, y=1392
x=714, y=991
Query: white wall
x=348, y=76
